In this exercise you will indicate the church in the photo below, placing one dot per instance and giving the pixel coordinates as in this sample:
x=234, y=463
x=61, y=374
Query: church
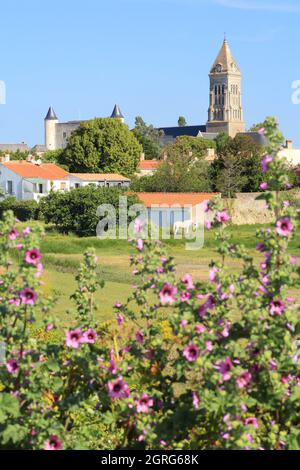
x=225, y=112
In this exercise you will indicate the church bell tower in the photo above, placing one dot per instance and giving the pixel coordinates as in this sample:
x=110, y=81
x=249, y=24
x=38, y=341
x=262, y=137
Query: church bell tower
x=225, y=113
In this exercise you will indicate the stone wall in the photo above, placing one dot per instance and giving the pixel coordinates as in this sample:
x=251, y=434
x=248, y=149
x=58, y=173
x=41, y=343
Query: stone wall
x=246, y=210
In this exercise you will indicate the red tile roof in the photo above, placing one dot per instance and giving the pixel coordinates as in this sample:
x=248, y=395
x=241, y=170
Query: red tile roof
x=48, y=171
x=100, y=176
x=149, y=164
x=174, y=199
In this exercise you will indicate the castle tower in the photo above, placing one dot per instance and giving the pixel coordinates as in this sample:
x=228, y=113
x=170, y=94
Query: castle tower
x=51, y=121
x=116, y=114
x=225, y=113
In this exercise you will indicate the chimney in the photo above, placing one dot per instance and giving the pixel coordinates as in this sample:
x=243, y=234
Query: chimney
x=289, y=144
x=142, y=157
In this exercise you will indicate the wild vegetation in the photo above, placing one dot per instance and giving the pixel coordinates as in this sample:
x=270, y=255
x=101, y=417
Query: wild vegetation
x=211, y=364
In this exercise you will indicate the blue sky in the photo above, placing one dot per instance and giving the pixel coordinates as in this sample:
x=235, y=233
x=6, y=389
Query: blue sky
x=150, y=56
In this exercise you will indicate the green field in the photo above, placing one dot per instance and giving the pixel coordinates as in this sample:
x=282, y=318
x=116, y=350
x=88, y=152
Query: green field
x=62, y=255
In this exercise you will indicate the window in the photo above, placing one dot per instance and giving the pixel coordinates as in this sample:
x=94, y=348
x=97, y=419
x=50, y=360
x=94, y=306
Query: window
x=10, y=187
x=40, y=188
x=63, y=186
x=77, y=185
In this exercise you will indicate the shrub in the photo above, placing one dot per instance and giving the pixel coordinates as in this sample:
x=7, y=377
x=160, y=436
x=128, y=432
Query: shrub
x=75, y=211
x=188, y=365
x=23, y=210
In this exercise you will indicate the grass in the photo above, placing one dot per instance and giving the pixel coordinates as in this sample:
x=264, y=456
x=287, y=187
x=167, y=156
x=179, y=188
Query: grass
x=62, y=255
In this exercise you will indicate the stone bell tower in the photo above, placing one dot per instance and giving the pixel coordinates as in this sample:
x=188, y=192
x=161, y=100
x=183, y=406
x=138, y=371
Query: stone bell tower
x=225, y=113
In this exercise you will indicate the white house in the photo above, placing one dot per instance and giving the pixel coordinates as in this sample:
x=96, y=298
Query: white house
x=167, y=209
x=109, y=180
x=290, y=153
x=30, y=180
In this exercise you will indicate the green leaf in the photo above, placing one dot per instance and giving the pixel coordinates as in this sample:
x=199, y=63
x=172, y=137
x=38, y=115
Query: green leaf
x=14, y=433
x=9, y=405
x=295, y=395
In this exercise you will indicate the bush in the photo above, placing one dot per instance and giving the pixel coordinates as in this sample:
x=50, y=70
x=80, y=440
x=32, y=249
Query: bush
x=23, y=210
x=75, y=211
x=187, y=365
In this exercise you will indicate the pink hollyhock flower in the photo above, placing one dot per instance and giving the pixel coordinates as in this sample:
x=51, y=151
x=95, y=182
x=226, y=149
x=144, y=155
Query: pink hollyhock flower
x=19, y=246
x=200, y=329
x=184, y=323
x=206, y=206
x=294, y=260
x=53, y=443
x=208, y=305
x=213, y=274
x=224, y=368
x=243, y=380
x=118, y=305
x=74, y=338
x=284, y=227
x=28, y=296
x=50, y=327
x=15, y=301
x=264, y=186
x=188, y=281
x=209, y=346
x=138, y=226
x=40, y=270
x=89, y=336
x=112, y=367
x=144, y=404
x=118, y=389
x=196, y=400
x=208, y=224
x=140, y=244
x=191, y=352
x=277, y=307
x=185, y=296
x=12, y=366
x=168, y=294
x=140, y=337
x=260, y=247
x=251, y=422
x=13, y=234
x=223, y=217
x=262, y=131
x=273, y=364
x=26, y=232
x=120, y=319
x=33, y=256
x=265, y=163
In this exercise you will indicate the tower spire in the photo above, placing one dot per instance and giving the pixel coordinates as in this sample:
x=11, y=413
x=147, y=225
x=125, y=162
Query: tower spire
x=51, y=116
x=225, y=112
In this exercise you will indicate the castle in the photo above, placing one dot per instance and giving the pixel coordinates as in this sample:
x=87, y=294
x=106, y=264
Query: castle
x=225, y=113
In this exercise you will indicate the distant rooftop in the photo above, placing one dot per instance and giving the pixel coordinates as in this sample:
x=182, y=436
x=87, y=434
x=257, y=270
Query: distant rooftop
x=14, y=147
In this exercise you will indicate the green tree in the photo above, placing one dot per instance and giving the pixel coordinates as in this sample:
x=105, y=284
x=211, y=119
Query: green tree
x=182, y=121
x=52, y=156
x=237, y=167
x=149, y=138
x=184, y=170
x=102, y=145
x=271, y=126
